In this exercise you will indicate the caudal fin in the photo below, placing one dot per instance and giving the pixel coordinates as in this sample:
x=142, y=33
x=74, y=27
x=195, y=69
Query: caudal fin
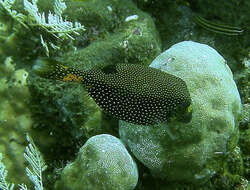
x=51, y=69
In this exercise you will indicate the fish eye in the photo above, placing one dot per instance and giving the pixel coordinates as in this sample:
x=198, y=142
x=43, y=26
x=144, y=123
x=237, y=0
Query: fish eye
x=110, y=69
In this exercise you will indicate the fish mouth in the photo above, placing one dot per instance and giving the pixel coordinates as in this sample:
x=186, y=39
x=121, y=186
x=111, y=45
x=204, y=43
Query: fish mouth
x=182, y=114
x=186, y=118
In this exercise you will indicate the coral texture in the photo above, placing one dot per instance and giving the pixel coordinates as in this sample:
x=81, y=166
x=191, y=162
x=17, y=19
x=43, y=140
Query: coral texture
x=182, y=152
x=103, y=163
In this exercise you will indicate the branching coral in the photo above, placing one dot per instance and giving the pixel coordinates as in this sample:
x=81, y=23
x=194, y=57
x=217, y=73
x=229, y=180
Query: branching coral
x=32, y=20
x=54, y=23
x=36, y=164
x=3, y=173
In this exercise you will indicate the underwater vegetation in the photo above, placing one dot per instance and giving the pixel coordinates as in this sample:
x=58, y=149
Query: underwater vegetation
x=123, y=95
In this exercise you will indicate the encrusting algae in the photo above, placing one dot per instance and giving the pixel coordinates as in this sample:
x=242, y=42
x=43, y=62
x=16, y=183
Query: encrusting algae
x=133, y=93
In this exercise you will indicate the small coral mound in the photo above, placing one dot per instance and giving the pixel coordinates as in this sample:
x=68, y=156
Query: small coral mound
x=103, y=163
x=183, y=152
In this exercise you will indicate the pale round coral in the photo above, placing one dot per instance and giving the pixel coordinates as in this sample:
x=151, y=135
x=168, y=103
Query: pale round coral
x=103, y=163
x=182, y=152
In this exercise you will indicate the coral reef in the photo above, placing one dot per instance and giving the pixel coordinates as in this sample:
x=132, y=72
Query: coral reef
x=111, y=39
x=116, y=38
x=103, y=163
x=182, y=152
x=89, y=34
x=242, y=78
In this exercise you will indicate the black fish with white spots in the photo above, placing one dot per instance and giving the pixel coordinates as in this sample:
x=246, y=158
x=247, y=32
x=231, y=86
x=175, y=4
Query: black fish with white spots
x=134, y=93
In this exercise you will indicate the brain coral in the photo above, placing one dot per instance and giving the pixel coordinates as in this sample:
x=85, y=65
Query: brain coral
x=103, y=163
x=182, y=152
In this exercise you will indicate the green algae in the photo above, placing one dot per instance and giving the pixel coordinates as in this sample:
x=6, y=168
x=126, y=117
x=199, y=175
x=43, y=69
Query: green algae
x=15, y=118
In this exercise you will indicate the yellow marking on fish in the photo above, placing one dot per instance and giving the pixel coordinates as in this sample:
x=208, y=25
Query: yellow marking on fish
x=65, y=67
x=189, y=109
x=72, y=77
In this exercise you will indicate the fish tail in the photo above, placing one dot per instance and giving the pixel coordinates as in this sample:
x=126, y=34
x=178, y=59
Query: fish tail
x=52, y=69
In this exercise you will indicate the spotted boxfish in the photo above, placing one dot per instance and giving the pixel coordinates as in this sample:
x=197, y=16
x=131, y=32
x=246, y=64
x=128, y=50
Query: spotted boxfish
x=131, y=92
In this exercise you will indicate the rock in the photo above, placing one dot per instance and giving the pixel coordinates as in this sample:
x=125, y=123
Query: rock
x=183, y=152
x=103, y=163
